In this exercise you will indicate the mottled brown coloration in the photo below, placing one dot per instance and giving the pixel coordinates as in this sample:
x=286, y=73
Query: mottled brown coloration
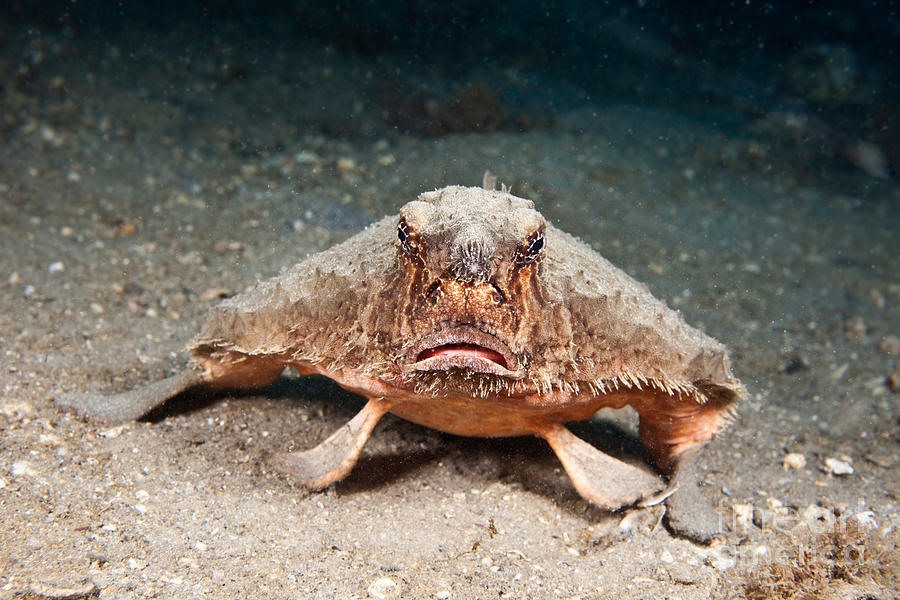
x=470, y=314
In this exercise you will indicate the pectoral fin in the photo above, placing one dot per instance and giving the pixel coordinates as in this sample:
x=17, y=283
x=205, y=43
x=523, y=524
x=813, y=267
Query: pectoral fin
x=333, y=459
x=688, y=513
x=603, y=480
x=130, y=405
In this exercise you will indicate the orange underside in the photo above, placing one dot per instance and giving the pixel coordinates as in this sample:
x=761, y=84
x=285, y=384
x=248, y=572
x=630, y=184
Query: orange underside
x=669, y=424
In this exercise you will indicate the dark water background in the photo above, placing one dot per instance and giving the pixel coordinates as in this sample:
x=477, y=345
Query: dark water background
x=724, y=62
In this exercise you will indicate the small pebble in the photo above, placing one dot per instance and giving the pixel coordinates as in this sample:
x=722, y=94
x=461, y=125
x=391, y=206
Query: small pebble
x=890, y=345
x=839, y=372
x=113, y=432
x=720, y=560
x=383, y=588
x=21, y=467
x=48, y=134
x=50, y=439
x=346, y=164
x=865, y=520
x=306, y=157
x=743, y=516
x=216, y=293
x=54, y=591
x=795, y=364
x=762, y=518
x=870, y=158
x=56, y=267
x=682, y=573
x=774, y=504
x=17, y=409
x=893, y=382
x=817, y=515
x=793, y=461
x=838, y=466
x=228, y=246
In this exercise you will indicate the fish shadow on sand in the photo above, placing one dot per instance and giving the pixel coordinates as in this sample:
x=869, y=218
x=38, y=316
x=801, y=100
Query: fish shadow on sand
x=524, y=462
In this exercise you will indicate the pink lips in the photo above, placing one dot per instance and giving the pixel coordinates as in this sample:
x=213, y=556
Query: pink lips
x=466, y=348
x=463, y=351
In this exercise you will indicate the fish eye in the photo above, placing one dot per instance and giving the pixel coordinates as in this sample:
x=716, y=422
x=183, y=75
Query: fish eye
x=532, y=250
x=537, y=244
x=406, y=236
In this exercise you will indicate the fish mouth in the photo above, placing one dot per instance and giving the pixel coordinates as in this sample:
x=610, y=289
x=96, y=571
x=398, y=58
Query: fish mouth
x=465, y=348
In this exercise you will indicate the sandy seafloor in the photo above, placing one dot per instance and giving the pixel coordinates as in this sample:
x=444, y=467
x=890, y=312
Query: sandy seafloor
x=144, y=175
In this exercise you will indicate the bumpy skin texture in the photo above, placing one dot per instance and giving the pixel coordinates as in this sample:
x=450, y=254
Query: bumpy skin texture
x=470, y=314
